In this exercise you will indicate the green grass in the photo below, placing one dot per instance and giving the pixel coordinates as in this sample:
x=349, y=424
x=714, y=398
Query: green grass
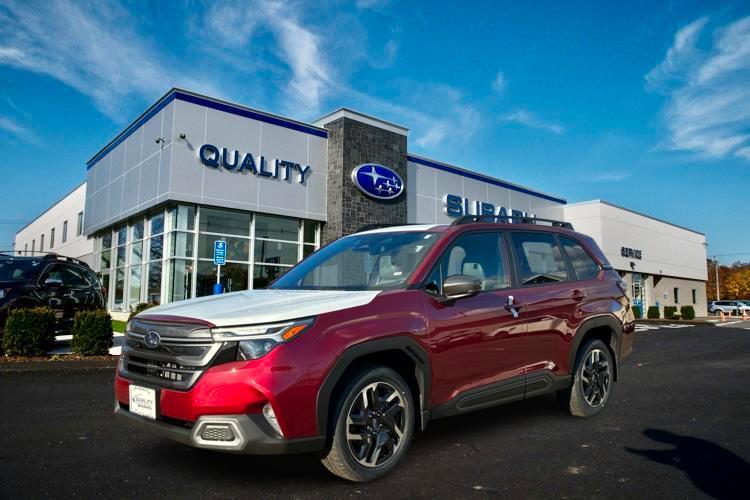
x=118, y=326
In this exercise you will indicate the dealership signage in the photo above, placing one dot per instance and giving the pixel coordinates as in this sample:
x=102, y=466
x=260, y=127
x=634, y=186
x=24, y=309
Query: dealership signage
x=211, y=156
x=456, y=206
x=378, y=181
x=631, y=253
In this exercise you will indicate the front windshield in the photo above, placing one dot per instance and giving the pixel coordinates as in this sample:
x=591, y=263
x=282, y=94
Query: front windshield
x=19, y=269
x=375, y=261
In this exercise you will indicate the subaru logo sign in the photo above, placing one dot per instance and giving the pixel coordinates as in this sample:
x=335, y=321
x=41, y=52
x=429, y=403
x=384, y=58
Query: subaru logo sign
x=378, y=181
x=152, y=339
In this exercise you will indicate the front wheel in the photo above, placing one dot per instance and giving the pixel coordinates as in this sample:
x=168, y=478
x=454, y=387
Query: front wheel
x=374, y=426
x=592, y=381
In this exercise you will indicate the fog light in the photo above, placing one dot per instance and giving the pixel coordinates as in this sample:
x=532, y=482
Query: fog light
x=271, y=418
x=217, y=432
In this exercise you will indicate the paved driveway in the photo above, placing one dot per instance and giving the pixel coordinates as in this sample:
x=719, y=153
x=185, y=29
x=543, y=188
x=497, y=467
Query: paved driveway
x=678, y=426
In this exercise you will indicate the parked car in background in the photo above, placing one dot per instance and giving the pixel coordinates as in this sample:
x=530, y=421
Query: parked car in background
x=371, y=337
x=64, y=284
x=736, y=307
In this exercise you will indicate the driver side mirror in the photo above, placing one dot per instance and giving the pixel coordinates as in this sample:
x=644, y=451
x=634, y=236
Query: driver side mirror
x=53, y=283
x=460, y=286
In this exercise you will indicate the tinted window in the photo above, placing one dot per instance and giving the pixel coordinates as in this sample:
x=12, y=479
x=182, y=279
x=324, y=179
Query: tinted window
x=72, y=276
x=478, y=255
x=538, y=258
x=52, y=272
x=584, y=267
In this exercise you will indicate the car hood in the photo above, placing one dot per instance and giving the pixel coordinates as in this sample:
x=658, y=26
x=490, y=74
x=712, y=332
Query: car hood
x=262, y=306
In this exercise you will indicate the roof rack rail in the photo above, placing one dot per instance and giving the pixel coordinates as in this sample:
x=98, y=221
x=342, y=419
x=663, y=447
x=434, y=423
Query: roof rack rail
x=55, y=256
x=517, y=219
x=371, y=227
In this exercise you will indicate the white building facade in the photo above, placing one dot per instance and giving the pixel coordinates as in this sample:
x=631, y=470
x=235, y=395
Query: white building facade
x=193, y=170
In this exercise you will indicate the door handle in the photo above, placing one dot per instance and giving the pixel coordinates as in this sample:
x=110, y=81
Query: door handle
x=512, y=306
x=578, y=295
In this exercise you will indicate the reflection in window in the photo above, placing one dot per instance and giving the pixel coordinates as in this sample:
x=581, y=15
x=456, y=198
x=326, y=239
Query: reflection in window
x=276, y=228
x=224, y=222
x=538, y=258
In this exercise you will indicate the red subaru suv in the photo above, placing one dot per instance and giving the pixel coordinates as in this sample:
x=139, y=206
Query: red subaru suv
x=370, y=338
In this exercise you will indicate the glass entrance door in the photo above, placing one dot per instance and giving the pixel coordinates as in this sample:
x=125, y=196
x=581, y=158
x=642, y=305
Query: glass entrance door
x=639, y=292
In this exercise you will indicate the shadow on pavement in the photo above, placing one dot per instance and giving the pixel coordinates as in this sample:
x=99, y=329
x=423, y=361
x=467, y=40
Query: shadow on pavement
x=712, y=468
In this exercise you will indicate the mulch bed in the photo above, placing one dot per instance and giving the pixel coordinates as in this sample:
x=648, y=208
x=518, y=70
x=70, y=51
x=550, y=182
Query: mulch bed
x=56, y=362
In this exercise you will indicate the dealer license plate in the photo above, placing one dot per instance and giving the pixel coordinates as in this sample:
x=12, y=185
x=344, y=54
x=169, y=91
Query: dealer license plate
x=143, y=401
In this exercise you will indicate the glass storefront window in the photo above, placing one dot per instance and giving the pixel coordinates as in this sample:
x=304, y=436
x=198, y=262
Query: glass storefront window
x=121, y=256
x=105, y=260
x=275, y=252
x=153, y=292
x=180, y=279
x=138, y=230
x=310, y=229
x=264, y=275
x=224, y=222
x=181, y=245
x=107, y=241
x=276, y=228
x=157, y=224
x=237, y=248
x=122, y=236
x=233, y=277
x=136, y=253
x=134, y=285
x=307, y=250
x=183, y=218
x=119, y=287
x=156, y=248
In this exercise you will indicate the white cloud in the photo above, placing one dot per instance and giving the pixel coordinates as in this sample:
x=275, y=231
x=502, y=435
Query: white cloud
x=529, y=119
x=679, y=56
x=499, y=83
x=708, y=108
x=371, y=4
x=12, y=128
x=91, y=47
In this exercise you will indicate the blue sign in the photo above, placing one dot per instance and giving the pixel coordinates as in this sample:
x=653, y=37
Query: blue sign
x=220, y=252
x=378, y=181
x=457, y=206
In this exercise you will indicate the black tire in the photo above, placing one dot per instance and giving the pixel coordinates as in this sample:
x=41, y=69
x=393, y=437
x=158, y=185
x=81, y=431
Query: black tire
x=593, y=380
x=351, y=415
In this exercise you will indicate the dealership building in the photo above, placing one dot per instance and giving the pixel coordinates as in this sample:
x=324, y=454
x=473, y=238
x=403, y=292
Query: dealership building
x=193, y=169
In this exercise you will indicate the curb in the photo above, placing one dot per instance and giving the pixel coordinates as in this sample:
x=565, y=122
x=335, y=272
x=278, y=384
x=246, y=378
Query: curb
x=61, y=365
x=674, y=322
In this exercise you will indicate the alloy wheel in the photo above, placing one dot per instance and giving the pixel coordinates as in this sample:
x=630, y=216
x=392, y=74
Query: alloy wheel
x=595, y=378
x=375, y=424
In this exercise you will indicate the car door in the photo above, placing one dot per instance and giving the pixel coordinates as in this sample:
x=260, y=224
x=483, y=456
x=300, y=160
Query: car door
x=475, y=340
x=550, y=297
x=52, y=293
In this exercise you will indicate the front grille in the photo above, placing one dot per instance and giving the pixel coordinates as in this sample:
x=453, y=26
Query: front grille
x=177, y=362
x=212, y=432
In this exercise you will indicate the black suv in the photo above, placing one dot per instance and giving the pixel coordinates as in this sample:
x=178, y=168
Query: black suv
x=64, y=284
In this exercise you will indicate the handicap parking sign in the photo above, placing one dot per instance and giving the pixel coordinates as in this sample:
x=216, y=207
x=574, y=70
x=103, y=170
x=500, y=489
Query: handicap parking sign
x=220, y=252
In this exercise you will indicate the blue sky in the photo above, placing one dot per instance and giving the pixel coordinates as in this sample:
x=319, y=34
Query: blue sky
x=642, y=104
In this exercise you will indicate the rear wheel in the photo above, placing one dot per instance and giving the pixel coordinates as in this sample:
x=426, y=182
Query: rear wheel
x=373, y=427
x=592, y=381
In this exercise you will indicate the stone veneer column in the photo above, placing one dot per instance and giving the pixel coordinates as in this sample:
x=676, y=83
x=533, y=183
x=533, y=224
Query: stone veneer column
x=352, y=143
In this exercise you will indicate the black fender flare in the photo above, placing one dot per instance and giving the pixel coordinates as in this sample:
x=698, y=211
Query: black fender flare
x=608, y=321
x=404, y=344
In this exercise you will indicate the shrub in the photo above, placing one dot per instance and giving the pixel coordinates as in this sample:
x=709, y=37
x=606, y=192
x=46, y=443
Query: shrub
x=92, y=333
x=29, y=332
x=139, y=308
x=669, y=312
x=688, y=312
x=653, y=312
x=637, y=312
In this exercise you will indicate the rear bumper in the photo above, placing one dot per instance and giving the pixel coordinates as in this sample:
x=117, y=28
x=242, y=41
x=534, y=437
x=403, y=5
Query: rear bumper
x=250, y=434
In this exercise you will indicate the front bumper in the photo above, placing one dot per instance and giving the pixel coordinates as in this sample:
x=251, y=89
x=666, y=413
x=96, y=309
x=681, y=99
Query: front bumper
x=249, y=434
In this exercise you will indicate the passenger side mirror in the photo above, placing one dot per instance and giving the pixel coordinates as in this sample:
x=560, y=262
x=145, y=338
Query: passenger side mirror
x=460, y=286
x=53, y=283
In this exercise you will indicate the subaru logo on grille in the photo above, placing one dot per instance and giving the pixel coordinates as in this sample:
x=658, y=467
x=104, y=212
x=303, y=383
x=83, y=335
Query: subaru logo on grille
x=378, y=181
x=152, y=339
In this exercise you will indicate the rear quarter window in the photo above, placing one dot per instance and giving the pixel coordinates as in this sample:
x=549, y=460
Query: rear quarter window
x=583, y=265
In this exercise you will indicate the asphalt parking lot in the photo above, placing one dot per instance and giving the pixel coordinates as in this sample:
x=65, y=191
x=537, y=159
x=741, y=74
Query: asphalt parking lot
x=678, y=426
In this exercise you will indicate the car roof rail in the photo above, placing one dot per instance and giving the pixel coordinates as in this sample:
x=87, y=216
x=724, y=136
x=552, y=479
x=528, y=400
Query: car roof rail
x=503, y=219
x=372, y=227
x=54, y=256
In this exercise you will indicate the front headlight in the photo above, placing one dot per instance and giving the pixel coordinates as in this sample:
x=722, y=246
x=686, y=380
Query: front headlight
x=4, y=292
x=255, y=341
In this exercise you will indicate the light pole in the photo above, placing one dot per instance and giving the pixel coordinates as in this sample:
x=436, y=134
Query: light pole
x=716, y=269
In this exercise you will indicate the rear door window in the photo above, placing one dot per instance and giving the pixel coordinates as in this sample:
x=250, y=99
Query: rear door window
x=73, y=277
x=583, y=265
x=538, y=259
